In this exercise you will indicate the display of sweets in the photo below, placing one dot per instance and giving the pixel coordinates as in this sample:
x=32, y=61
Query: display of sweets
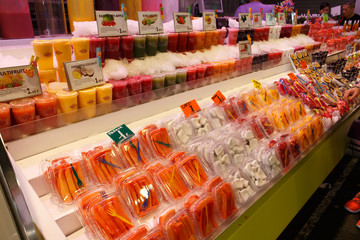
x=336, y=66
x=351, y=74
x=319, y=56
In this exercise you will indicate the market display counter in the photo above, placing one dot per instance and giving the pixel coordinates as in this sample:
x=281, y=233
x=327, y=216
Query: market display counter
x=274, y=208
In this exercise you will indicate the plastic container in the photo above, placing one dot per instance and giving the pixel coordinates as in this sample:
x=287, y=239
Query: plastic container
x=46, y=105
x=87, y=101
x=193, y=170
x=151, y=45
x=62, y=50
x=190, y=45
x=225, y=200
x=5, y=119
x=112, y=48
x=86, y=13
x=126, y=46
x=271, y=162
x=141, y=194
x=15, y=19
x=47, y=76
x=119, y=89
x=163, y=42
x=190, y=74
x=94, y=43
x=215, y=38
x=181, y=225
x=81, y=48
x=23, y=110
x=146, y=83
x=200, y=71
x=158, y=81
x=158, y=139
x=182, y=41
x=136, y=233
x=208, y=39
x=104, y=93
x=172, y=42
x=181, y=75
x=133, y=85
x=44, y=51
x=233, y=35
x=242, y=186
x=255, y=173
x=199, y=40
x=134, y=153
x=222, y=35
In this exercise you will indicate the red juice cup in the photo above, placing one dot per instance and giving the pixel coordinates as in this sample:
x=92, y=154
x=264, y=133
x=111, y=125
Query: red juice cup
x=222, y=35
x=199, y=40
x=23, y=110
x=119, y=89
x=5, y=119
x=200, y=71
x=266, y=33
x=231, y=66
x=133, y=85
x=238, y=64
x=233, y=34
x=209, y=70
x=215, y=38
x=146, y=83
x=94, y=43
x=256, y=34
x=126, y=47
x=190, y=46
x=208, y=39
x=112, y=48
x=190, y=74
x=182, y=41
x=172, y=42
x=46, y=105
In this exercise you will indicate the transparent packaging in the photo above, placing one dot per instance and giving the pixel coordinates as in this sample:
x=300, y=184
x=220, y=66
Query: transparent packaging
x=271, y=162
x=137, y=233
x=159, y=141
x=122, y=176
x=250, y=140
x=225, y=200
x=154, y=234
x=193, y=170
x=266, y=124
x=242, y=186
x=181, y=130
x=134, y=152
x=242, y=104
x=253, y=100
x=229, y=110
x=181, y=226
x=235, y=147
x=215, y=116
x=255, y=172
x=200, y=123
x=219, y=158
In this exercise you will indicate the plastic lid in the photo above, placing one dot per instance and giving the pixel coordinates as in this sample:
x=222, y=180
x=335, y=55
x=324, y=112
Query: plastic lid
x=45, y=98
x=4, y=106
x=22, y=102
x=142, y=77
x=105, y=86
x=64, y=94
x=118, y=82
x=37, y=41
x=61, y=40
x=80, y=39
x=57, y=85
x=181, y=70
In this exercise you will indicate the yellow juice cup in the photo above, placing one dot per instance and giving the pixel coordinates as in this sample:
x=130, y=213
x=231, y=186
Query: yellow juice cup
x=62, y=50
x=81, y=48
x=80, y=11
x=43, y=50
x=61, y=74
x=67, y=100
x=47, y=76
x=104, y=93
x=87, y=101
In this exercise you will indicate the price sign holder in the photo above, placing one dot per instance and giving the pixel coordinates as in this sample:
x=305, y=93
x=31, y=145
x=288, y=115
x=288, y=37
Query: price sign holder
x=120, y=134
x=111, y=23
x=190, y=108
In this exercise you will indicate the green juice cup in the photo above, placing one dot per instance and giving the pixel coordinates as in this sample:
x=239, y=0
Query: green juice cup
x=163, y=42
x=158, y=81
x=170, y=78
x=151, y=44
x=139, y=46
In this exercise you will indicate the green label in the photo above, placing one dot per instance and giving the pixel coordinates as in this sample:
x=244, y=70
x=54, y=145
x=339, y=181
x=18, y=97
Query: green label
x=120, y=134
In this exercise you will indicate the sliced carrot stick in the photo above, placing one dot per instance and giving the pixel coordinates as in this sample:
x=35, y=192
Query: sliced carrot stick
x=189, y=202
x=165, y=217
x=70, y=181
x=138, y=234
x=212, y=183
x=63, y=187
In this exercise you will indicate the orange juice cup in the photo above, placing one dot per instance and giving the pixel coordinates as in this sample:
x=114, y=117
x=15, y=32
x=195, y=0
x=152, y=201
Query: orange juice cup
x=208, y=39
x=79, y=11
x=215, y=38
x=44, y=51
x=47, y=76
x=23, y=110
x=46, y=105
x=67, y=101
x=5, y=119
x=104, y=93
x=199, y=40
x=217, y=68
x=61, y=74
x=224, y=68
x=231, y=66
x=81, y=48
x=62, y=50
x=87, y=101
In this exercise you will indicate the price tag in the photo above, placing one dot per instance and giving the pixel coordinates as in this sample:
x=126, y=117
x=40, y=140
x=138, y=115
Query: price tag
x=120, y=134
x=209, y=21
x=292, y=76
x=19, y=82
x=257, y=84
x=111, y=23
x=190, y=108
x=244, y=49
x=282, y=20
x=182, y=22
x=218, y=98
x=150, y=22
x=257, y=20
x=270, y=19
x=244, y=20
x=293, y=18
x=83, y=74
x=303, y=64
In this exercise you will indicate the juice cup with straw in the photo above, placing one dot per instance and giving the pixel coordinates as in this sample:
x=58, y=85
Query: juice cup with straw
x=182, y=41
x=47, y=76
x=126, y=47
x=46, y=105
x=139, y=46
x=199, y=40
x=208, y=39
x=190, y=46
x=44, y=51
x=163, y=42
x=151, y=44
x=62, y=50
x=23, y=110
x=87, y=101
x=67, y=100
x=112, y=48
x=5, y=119
x=94, y=43
x=172, y=42
x=81, y=48
x=61, y=74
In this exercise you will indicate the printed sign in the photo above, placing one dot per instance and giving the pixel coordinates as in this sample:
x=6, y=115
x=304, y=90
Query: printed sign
x=244, y=20
x=209, y=21
x=111, y=23
x=244, y=49
x=150, y=22
x=281, y=18
x=120, y=134
x=190, y=108
x=257, y=20
x=218, y=98
x=19, y=82
x=270, y=19
x=83, y=74
x=182, y=22
x=293, y=18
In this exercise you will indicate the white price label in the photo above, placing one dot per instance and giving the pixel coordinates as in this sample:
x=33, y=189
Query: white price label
x=209, y=21
x=281, y=18
x=111, y=23
x=244, y=49
x=270, y=19
x=257, y=21
x=245, y=20
x=150, y=22
x=182, y=22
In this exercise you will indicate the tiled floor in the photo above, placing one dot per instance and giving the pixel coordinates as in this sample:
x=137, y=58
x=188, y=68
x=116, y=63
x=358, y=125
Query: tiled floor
x=323, y=217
